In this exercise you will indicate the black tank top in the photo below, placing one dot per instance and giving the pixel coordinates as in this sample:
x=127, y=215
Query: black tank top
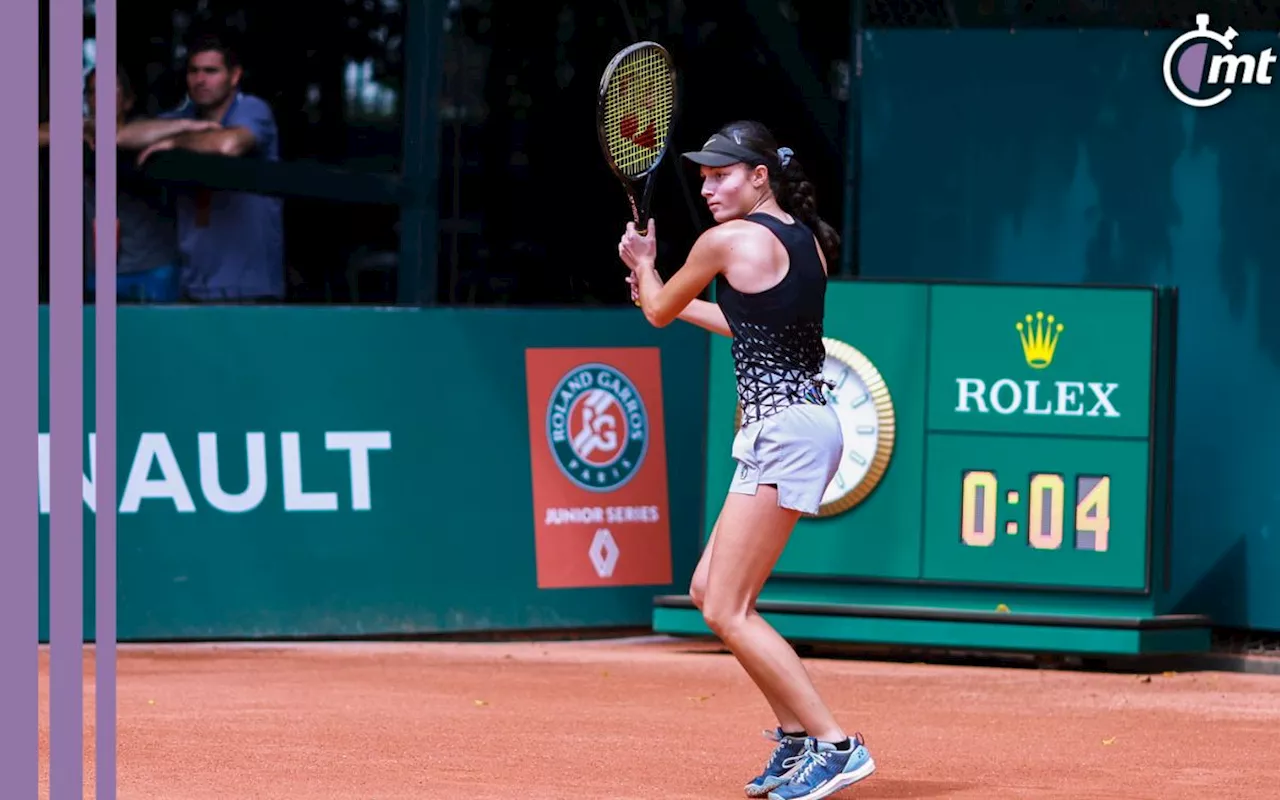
x=777, y=334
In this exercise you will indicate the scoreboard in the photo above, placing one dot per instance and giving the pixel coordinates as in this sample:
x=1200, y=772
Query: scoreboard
x=1007, y=436
x=1039, y=443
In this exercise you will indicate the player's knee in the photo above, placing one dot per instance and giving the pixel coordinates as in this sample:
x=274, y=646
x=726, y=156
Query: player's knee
x=698, y=591
x=723, y=616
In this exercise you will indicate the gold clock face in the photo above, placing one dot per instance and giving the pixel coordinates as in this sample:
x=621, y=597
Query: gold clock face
x=865, y=410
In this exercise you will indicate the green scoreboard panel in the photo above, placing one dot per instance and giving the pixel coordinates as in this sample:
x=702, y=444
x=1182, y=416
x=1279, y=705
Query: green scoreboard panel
x=1019, y=440
x=1039, y=436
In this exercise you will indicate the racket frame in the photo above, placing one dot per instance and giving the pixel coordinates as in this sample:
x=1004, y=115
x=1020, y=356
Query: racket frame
x=640, y=204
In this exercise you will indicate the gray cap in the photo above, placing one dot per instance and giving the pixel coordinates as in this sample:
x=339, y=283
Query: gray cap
x=721, y=151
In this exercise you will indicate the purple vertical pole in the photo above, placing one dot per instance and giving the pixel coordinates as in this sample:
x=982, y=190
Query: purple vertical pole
x=19, y=404
x=66, y=401
x=104, y=648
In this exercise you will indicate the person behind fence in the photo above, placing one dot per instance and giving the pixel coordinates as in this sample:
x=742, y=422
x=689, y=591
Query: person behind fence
x=144, y=232
x=232, y=242
x=768, y=254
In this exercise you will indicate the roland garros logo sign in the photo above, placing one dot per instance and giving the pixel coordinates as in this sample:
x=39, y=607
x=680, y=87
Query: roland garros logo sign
x=597, y=427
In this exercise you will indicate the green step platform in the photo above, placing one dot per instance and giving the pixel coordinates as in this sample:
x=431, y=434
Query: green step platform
x=958, y=629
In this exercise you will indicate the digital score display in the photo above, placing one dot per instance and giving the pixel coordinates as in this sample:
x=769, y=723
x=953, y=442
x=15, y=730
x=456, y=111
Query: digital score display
x=1047, y=519
x=1054, y=511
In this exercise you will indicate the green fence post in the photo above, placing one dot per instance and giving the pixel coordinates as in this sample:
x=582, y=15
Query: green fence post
x=417, y=280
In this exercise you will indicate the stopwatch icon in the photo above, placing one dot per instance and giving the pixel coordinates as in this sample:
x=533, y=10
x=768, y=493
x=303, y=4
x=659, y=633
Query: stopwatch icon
x=1191, y=63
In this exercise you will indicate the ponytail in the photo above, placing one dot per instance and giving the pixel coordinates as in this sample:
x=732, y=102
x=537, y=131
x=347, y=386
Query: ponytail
x=799, y=198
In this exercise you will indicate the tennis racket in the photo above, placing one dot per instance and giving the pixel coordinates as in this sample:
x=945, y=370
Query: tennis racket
x=635, y=111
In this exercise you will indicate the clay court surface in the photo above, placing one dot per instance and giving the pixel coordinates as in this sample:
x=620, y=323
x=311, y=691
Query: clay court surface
x=653, y=718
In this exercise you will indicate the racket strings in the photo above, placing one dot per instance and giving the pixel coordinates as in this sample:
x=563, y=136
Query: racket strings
x=638, y=106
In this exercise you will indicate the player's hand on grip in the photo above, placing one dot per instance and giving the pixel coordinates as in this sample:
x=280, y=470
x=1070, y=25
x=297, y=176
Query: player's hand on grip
x=635, y=288
x=638, y=251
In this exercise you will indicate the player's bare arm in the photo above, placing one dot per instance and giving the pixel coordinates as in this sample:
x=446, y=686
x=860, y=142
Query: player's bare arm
x=701, y=313
x=707, y=316
x=664, y=302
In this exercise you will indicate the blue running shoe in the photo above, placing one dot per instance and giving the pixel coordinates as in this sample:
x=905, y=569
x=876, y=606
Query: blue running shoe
x=826, y=770
x=785, y=760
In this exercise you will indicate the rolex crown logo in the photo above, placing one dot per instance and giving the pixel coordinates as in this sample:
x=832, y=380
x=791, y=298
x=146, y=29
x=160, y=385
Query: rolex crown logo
x=1039, y=336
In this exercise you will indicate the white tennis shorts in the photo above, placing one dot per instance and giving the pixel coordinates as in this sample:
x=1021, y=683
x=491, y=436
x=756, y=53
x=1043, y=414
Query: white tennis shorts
x=797, y=449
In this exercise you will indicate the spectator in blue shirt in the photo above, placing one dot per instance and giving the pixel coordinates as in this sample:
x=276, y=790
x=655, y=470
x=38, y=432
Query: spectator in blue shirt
x=232, y=243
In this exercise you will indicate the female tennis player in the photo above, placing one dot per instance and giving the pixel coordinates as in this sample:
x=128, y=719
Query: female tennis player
x=768, y=254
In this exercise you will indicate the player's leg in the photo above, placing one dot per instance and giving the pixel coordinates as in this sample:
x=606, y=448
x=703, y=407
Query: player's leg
x=789, y=733
x=753, y=532
x=788, y=722
x=788, y=460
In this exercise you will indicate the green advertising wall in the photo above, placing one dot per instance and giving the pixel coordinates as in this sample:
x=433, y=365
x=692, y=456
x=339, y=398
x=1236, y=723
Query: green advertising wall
x=433, y=533
x=1059, y=156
